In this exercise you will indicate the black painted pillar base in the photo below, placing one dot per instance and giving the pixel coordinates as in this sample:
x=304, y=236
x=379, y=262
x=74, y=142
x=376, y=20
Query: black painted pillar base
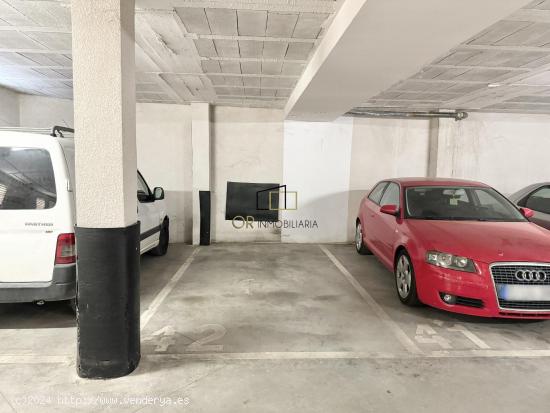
x=108, y=301
x=204, y=203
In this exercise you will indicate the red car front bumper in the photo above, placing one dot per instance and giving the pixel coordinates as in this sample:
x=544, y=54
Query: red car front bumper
x=476, y=293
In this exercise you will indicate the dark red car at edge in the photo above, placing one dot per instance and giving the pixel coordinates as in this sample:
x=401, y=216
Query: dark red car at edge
x=457, y=245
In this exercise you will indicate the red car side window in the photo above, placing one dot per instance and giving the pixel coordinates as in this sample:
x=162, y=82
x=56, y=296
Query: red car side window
x=377, y=192
x=391, y=195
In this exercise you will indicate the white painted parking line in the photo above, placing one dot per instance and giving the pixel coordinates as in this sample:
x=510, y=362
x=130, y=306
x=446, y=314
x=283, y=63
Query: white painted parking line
x=289, y=355
x=35, y=359
x=161, y=296
x=6, y=402
x=489, y=354
x=274, y=355
x=345, y=355
x=32, y=332
x=379, y=311
x=470, y=336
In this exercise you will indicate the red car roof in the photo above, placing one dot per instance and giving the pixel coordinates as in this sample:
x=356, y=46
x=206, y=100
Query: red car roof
x=408, y=182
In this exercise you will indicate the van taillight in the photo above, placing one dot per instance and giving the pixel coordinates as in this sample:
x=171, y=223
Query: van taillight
x=65, y=252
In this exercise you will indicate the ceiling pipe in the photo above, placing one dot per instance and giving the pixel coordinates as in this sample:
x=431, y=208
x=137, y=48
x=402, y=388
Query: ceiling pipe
x=369, y=113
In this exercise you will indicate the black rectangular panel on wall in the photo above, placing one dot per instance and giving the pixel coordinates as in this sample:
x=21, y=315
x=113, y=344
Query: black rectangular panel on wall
x=252, y=199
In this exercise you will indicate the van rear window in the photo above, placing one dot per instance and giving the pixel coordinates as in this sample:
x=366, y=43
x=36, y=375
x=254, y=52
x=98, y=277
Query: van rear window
x=26, y=179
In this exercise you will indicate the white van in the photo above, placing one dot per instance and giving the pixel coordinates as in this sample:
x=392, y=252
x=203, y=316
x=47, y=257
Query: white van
x=37, y=216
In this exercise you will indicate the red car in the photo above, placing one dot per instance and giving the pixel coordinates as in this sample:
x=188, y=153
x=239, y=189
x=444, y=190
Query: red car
x=457, y=245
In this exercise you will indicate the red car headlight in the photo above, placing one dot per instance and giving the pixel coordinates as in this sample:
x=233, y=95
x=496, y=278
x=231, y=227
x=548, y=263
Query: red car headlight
x=453, y=262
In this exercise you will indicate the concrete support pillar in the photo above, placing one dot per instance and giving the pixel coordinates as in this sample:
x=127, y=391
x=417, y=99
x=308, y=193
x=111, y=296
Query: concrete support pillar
x=107, y=230
x=433, y=148
x=201, y=160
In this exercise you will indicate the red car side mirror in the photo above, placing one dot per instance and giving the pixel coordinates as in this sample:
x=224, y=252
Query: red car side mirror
x=527, y=213
x=389, y=209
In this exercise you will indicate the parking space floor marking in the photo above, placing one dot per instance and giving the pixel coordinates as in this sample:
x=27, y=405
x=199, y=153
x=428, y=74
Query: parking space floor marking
x=30, y=359
x=34, y=359
x=161, y=296
x=276, y=355
x=6, y=401
x=470, y=336
x=346, y=355
x=378, y=310
x=489, y=354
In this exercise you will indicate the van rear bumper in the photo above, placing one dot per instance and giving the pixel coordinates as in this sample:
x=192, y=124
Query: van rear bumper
x=61, y=287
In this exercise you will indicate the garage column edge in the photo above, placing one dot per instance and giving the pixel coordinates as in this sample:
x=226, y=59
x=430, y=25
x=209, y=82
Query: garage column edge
x=201, y=142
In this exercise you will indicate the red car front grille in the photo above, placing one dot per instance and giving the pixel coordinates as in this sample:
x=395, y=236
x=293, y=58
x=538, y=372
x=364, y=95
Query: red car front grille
x=507, y=274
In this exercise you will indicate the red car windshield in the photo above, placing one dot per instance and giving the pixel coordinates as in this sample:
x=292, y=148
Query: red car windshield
x=459, y=203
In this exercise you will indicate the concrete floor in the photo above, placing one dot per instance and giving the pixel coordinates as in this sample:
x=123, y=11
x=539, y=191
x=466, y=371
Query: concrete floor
x=280, y=328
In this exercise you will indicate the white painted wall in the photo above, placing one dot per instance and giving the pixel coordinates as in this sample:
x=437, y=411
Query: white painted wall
x=163, y=134
x=45, y=112
x=506, y=151
x=331, y=165
x=247, y=146
x=317, y=158
x=9, y=108
x=381, y=149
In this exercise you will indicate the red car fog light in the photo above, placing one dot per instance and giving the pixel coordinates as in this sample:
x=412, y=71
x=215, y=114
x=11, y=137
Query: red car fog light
x=448, y=298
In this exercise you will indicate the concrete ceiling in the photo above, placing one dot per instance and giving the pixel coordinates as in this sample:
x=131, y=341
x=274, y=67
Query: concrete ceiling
x=253, y=52
x=373, y=45
x=232, y=52
x=504, y=68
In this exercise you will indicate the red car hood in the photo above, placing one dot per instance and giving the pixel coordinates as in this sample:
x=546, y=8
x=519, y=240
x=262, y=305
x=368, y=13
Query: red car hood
x=484, y=241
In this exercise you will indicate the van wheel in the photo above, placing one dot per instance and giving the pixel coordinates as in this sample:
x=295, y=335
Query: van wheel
x=164, y=238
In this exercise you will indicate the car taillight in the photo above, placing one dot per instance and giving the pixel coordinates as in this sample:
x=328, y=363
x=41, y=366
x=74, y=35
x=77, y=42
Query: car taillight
x=65, y=252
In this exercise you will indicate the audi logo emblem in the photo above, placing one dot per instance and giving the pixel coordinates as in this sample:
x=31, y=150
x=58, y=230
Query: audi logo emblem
x=528, y=275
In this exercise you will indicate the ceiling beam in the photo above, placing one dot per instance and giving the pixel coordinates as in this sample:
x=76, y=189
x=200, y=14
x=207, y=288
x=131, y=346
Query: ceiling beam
x=192, y=36
x=41, y=29
x=388, y=41
x=39, y=51
x=254, y=87
x=252, y=97
x=375, y=99
x=451, y=82
x=252, y=38
x=421, y=92
x=524, y=109
x=510, y=87
x=531, y=15
x=36, y=78
x=159, y=81
x=251, y=59
x=509, y=68
x=303, y=6
x=499, y=48
x=37, y=67
x=222, y=74
x=157, y=73
x=534, y=104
